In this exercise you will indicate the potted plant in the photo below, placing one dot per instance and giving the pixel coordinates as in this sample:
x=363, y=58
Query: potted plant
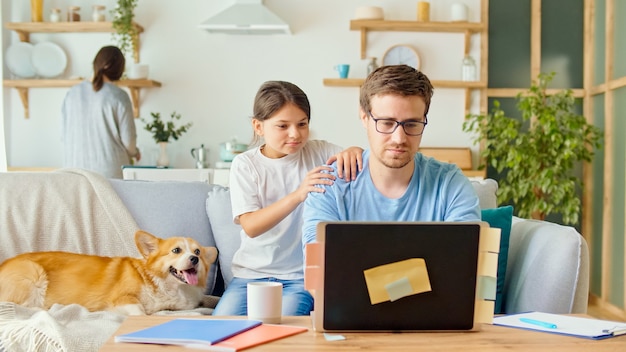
x=125, y=31
x=163, y=131
x=537, y=153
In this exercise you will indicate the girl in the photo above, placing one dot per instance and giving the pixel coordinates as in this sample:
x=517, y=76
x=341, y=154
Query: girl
x=268, y=184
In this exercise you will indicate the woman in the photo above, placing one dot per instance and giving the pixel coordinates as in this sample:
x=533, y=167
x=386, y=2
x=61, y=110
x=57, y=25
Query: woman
x=98, y=128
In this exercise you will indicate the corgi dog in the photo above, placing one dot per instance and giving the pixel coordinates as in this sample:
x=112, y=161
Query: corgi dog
x=171, y=275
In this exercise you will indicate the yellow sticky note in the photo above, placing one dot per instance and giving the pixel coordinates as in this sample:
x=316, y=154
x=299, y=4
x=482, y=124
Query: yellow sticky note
x=393, y=281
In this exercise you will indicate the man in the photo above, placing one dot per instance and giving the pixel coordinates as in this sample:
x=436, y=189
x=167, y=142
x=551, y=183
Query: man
x=397, y=183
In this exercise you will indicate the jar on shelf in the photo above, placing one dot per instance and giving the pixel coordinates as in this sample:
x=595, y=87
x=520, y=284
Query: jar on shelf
x=468, y=69
x=98, y=13
x=373, y=65
x=73, y=14
x=55, y=15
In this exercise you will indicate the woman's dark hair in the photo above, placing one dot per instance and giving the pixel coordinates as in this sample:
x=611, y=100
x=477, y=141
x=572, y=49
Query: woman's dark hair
x=400, y=80
x=273, y=95
x=109, y=62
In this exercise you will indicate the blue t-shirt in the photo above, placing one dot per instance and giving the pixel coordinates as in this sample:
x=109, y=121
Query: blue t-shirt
x=437, y=192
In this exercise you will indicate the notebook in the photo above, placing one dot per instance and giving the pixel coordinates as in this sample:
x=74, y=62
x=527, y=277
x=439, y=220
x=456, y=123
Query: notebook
x=402, y=276
x=190, y=332
x=595, y=329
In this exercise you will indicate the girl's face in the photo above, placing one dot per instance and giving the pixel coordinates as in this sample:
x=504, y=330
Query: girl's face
x=285, y=132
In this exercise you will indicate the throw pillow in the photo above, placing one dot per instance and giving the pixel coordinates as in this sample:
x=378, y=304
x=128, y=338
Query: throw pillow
x=501, y=218
x=486, y=191
x=225, y=232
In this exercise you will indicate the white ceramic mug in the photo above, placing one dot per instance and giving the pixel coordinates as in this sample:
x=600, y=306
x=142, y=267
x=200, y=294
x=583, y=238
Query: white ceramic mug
x=265, y=300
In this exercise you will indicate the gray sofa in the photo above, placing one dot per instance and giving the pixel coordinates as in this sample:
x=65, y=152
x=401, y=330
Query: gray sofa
x=548, y=264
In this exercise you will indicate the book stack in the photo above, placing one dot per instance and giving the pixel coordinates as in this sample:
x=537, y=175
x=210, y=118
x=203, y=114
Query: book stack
x=211, y=334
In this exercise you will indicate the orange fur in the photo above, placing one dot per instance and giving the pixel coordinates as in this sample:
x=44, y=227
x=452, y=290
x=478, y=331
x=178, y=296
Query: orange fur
x=123, y=284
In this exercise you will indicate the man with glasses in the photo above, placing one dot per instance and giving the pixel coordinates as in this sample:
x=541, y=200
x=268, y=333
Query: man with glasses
x=396, y=182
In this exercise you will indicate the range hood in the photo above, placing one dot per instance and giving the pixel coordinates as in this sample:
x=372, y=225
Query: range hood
x=246, y=17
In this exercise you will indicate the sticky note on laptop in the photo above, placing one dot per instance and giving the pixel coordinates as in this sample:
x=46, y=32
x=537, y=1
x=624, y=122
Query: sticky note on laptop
x=393, y=281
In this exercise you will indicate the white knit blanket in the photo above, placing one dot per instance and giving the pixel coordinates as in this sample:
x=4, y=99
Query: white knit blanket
x=59, y=329
x=67, y=210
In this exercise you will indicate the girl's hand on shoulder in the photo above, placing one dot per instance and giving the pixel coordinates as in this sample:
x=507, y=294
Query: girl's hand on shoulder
x=349, y=162
x=314, y=178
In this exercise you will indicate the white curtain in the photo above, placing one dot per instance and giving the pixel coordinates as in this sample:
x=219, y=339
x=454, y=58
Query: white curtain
x=3, y=151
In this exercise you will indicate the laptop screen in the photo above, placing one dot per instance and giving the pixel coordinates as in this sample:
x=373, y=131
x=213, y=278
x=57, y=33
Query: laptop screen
x=449, y=252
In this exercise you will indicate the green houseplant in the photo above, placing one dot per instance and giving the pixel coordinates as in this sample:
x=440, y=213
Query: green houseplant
x=537, y=154
x=163, y=131
x=125, y=31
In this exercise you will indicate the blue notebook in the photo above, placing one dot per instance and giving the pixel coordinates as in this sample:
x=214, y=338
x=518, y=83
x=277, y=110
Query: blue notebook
x=190, y=332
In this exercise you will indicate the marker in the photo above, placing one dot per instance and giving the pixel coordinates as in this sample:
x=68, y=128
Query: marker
x=538, y=323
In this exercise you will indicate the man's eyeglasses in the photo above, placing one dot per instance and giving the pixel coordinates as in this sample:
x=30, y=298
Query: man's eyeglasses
x=389, y=126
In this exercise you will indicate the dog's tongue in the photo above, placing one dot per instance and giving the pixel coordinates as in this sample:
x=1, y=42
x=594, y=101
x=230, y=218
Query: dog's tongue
x=190, y=277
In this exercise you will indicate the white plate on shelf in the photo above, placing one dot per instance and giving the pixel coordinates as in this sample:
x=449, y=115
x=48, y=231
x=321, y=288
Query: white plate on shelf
x=18, y=57
x=48, y=59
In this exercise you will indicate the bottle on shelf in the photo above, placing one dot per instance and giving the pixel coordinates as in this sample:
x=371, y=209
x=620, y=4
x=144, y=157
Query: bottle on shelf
x=73, y=14
x=55, y=15
x=98, y=13
x=468, y=71
x=373, y=65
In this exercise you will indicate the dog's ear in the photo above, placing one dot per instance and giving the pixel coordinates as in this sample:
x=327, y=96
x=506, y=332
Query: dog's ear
x=210, y=254
x=146, y=242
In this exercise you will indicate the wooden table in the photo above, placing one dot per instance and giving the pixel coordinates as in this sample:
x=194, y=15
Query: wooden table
x=490, y=338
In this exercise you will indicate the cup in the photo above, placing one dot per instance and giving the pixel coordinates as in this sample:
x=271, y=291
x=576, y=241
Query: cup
x=459, y=13
x=265, y=300
x=343, y=70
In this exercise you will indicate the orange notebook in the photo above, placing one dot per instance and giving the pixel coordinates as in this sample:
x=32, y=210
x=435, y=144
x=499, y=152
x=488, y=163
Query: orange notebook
x=256, y=336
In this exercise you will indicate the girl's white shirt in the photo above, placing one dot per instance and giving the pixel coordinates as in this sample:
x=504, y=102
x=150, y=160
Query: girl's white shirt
x=257, y=181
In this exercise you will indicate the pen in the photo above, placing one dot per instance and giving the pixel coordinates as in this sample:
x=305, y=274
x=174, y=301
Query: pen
x=538, y=323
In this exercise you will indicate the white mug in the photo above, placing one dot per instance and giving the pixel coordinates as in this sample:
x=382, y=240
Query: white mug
x=265, y=299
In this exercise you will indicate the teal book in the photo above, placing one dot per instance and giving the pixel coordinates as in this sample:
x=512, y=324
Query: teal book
x=190, y=332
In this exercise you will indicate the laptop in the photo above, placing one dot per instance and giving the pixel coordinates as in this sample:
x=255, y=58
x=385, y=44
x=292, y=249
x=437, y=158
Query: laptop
x=401, y=276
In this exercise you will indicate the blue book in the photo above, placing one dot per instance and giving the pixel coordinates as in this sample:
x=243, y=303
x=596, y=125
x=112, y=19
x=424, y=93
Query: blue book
x=190, y=332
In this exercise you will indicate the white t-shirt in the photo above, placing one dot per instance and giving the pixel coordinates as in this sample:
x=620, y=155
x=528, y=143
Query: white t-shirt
x=256, y=182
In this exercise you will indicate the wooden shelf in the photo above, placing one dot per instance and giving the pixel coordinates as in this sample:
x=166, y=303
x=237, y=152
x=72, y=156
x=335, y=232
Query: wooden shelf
x=414, y=26
x=24, y=29
x=23, y=85
x=468, y=28
x=357, y=82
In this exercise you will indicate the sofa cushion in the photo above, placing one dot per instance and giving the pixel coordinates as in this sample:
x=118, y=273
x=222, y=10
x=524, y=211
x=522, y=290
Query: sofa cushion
x=225, y=231
x=501, y=218
x=169, y=209
x=486, y=191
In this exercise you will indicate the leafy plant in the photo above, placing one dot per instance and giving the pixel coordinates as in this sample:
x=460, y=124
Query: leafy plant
x=162, y=131
x=537, y=160
x=125, y=31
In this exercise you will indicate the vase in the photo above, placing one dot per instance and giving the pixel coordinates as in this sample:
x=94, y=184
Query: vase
x=36, y=10
x=163, y=159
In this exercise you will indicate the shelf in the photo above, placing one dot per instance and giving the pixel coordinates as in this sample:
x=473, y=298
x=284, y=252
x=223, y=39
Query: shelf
x=23, y=85
x=24, y=29
x=357, y=82
x=414, y=26
x=468, y=28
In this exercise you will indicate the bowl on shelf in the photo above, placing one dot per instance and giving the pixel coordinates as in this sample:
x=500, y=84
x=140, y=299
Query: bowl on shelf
x=137, y=71
x=228, y=150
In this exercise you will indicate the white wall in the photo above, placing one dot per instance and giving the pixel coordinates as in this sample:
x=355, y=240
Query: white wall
x=211, y=79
